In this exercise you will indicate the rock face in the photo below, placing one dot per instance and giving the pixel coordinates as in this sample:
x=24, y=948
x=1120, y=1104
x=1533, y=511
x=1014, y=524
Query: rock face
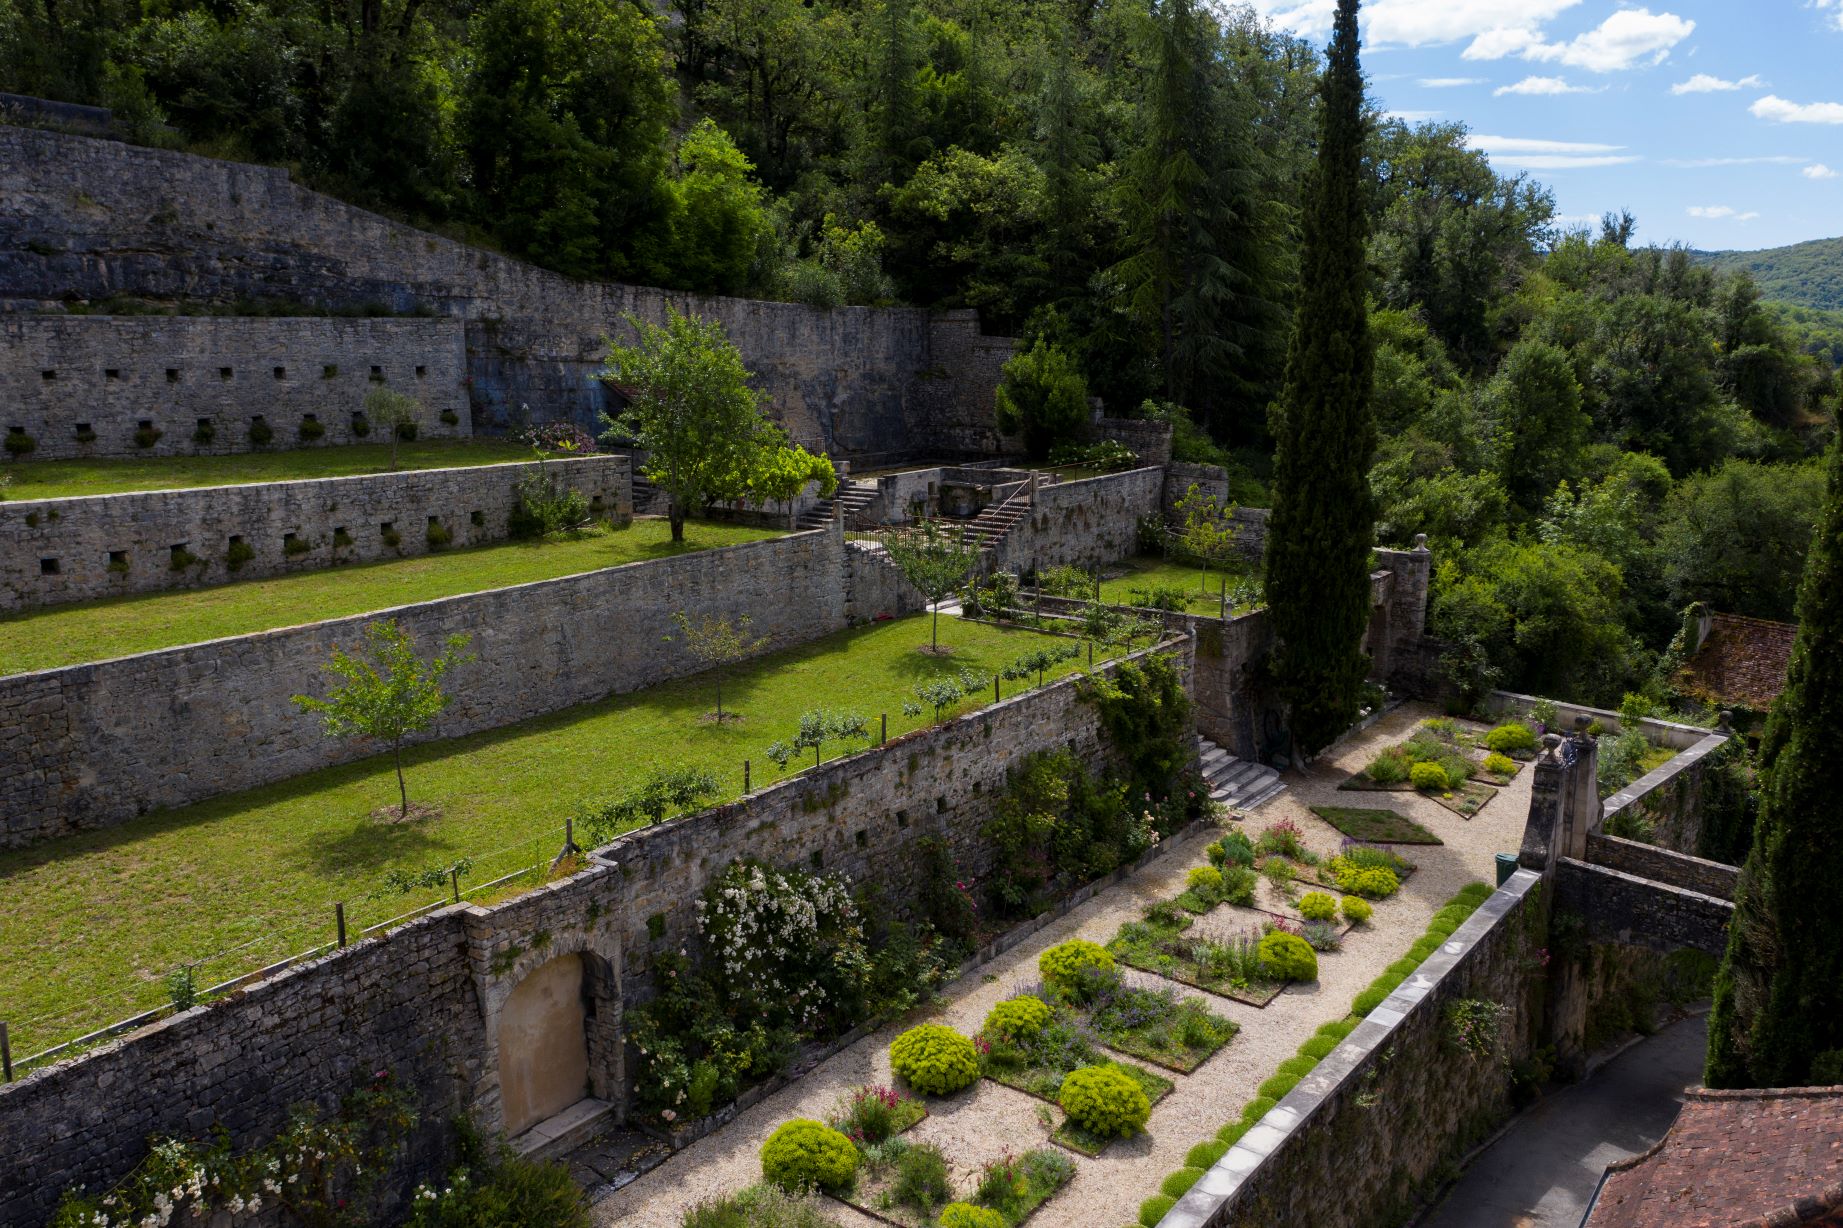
x=82, y=218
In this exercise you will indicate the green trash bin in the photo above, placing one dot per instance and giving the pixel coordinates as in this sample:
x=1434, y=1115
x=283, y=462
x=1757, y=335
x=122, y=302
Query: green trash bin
x=1506, y=866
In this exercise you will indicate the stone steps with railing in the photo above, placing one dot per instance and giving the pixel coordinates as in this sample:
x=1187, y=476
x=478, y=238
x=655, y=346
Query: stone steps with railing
x=1237, y=783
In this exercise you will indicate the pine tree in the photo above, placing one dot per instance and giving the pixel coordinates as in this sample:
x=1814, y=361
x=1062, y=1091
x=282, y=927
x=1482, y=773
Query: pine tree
x=1066, y=153
x=1778, y=1015
x=1323, y=515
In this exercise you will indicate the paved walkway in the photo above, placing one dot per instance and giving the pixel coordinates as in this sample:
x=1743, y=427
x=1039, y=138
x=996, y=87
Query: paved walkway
x=1543, y=1172
x=990, y=1120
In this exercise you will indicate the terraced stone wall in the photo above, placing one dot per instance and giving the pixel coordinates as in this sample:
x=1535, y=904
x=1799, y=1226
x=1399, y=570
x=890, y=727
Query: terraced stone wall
x=62, y=550
x=1088, y=522
x=98, y=744
x=83, y=386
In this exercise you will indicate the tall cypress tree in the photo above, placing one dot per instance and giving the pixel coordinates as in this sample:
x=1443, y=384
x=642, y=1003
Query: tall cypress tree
x=1778, y=1016
x=1323, y=517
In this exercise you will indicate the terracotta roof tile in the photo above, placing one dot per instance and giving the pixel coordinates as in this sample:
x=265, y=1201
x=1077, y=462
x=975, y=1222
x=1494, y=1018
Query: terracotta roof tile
x=1741, y=661
x=1735, y=1159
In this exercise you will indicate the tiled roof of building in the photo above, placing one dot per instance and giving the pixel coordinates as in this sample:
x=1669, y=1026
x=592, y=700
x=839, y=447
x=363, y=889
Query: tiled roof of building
x=1735, y=1159
x=1741, y=661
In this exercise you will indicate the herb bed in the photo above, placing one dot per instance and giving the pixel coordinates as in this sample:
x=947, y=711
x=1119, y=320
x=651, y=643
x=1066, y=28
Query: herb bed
x=1158, y=945
x=1013, y=1187
x=1375, y=825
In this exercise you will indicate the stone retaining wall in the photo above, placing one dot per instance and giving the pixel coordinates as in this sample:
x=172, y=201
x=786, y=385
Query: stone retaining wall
x=1661, y=865
x=60, y=550
x=1088, y=522
x=97, y=744
x=1379, y=1119
x=1634, y=911
x=87, y=218
x=424, y=1001
x=1150, y=441
x=68, y=379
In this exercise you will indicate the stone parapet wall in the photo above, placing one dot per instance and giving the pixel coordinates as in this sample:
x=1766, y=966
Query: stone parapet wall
x=88, y=218
x=1089, y=523
x=61, y=550
x=98, y=744
x=65, y=378
x=425, y=1001
x=1696, y=874
x=1150, y=441
x=875, y=587
x=403, y=1003
x=1631, y=910
x=1670, y=797
x=1380, y=1117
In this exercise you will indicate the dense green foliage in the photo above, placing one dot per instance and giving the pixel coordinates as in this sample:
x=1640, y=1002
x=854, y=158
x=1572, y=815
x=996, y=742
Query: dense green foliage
x=934, y=1059
x=1778, y=1013
x=804, y=1154
x=1105, y=1100
x=1323, y=515
x=1807, y=274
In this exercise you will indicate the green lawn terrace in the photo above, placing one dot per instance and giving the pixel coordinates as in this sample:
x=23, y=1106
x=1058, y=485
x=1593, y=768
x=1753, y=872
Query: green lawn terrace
x=95, y=923
x=1144, y=579
x=67, y=479
x=118, y=626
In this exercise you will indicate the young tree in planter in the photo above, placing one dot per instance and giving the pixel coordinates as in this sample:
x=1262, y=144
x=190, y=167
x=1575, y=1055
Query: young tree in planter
x=1778, y=1014
x=387, y=692
x=781, y=474
x=935, y=562
x=392, y=412
x=718, y=642
x=1208, y=531
x=1323, y=514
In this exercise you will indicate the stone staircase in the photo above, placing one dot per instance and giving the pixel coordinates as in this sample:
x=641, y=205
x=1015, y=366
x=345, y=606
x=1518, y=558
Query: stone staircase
x=648, y=501
x=851, y=498
x=1237, y=783
x=990, y=526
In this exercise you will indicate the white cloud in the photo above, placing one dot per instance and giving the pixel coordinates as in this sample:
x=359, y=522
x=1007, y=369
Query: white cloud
x=1541, y=155
x=1756, y=160
x=1703, y=83
x=1817, y=170
x=1542, y=85
x=1447, y=83
x=1417, y=23
x=1720, y=211
x=1833, y=8
x=1785, y=111
x=1627, y=38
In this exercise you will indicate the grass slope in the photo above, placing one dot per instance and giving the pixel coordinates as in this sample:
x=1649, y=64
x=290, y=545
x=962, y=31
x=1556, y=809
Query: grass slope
x=64, y=479
x=118, y=626
x=91, y=925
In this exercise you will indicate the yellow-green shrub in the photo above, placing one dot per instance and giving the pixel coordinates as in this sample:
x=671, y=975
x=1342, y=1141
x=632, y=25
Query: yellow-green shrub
x=1502, y=765
x=934, y=1059
x=1017, y=1018
x=1356, y=909
x=1065, y=965
x=966, y=1215
x=1288, y=957
x=1510, y=738
x=1204, y=879
x=1104, y=1100
x=1317, y=906
x=1428, y=777
x=802, y=1154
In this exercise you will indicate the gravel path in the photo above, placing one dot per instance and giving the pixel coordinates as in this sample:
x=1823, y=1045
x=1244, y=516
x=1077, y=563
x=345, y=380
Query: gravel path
x=988, y=1120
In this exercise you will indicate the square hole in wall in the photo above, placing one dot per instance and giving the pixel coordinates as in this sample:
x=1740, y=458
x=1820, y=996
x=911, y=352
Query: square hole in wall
x=863, y=838
x=477, y=518
x=595, y=503
x=112, y=373
x=144, y=424
x=422, y=372
x=48, y=567
x=377, y=375
x=178, y=555
x=47, y=374
x=224, y=373
x=172, y=375
x=817, y=860
x=118, y=560
x=281, y=373
x=902, y=818
x=84, y=431
x=330, y=371
x=940, y=805
x=204, y=426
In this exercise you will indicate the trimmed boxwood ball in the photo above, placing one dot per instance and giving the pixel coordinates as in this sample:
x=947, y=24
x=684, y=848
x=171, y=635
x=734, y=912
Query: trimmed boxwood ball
x=1369, y=1000
x=1428, y=777
x=1377, y=881
x=802, y=1154
x=1319, y=1046
x=1356, y=909
x=1203, y=1155
x=1153, y=1209
x=1288, y=957
x=1178, y=1183
x=1104, y=1100
x=1275, y=1087
x=1204, y=878
x=935, y=1060
x=1256, y=1109
x=1453, y=914
x=1301, y=1066
x=1511, y=738
x=1064, y=964
x=966, y=1215
x=1017, y=1018
x=1231, y=1134
x=1317, y=906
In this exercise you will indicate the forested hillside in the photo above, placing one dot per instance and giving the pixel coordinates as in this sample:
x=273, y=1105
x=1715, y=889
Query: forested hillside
x=1593, y=434
x=1806, y=274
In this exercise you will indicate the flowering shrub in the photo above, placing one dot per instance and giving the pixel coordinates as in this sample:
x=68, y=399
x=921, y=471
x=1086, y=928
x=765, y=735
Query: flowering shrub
x=1288, y=957
x=1475, y=1026
x=321, y=1172
x=1286, y=839
x=1104, y=1100
x=1069, y=967
x=565, y=437
x=1204, y=879
x=1017, y=1019
x=966, y=1215
x=1233, y=849
x=494, y=1186
x=1355, y=908
x=873, y=1113
x=934, y=1060
x=1501, y=765
x=803, y=1154
x=783, y=941
x=1317, y=906
x=1354, y=878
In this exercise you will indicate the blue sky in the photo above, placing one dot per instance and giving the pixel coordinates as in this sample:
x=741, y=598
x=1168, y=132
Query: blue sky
x=1718, y=123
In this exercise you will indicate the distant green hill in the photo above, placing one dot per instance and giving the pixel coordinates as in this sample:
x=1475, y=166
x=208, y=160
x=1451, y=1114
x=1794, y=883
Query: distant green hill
x=1808, y=274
